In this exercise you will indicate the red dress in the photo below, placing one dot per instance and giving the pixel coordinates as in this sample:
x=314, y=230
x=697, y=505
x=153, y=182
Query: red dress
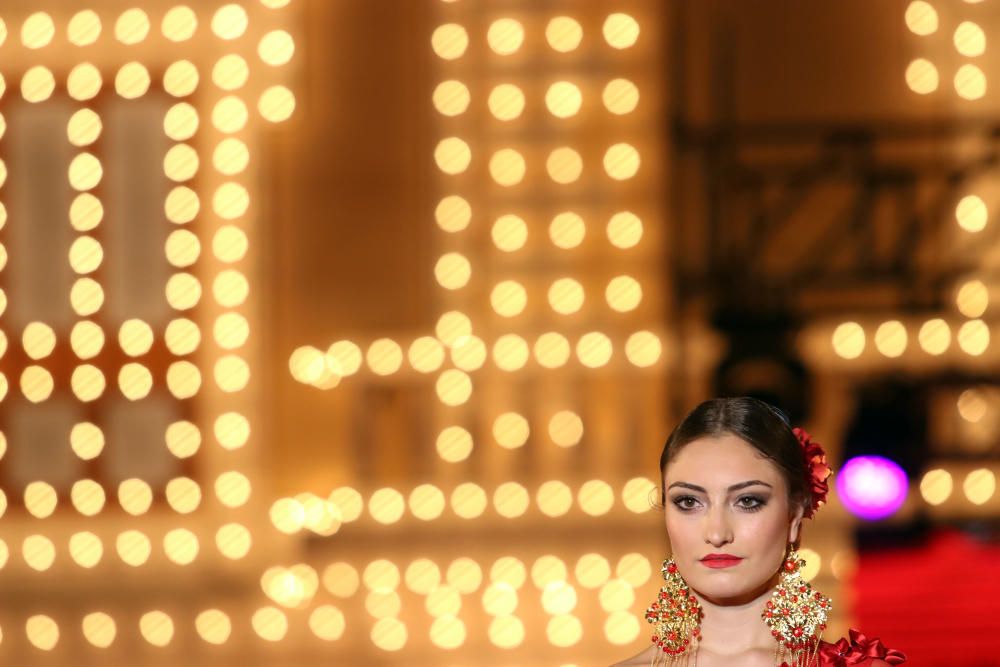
x=858, y=651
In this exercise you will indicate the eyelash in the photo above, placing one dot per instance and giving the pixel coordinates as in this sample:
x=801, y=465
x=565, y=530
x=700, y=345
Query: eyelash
x=758, y=503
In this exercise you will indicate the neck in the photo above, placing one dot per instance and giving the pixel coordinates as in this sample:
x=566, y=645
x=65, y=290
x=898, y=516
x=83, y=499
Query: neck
x=731, y=626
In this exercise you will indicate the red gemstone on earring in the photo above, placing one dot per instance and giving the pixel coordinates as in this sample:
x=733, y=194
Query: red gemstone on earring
x=790, y=565
x=671, y=568
x=797, y=632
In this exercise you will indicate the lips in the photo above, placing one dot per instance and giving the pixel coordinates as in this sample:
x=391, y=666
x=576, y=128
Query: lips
x=716, y=561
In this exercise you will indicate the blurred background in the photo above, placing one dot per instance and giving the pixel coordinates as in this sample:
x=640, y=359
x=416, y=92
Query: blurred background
x=348, y=332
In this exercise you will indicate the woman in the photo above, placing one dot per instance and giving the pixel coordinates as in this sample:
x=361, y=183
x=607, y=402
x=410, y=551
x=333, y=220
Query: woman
x=737, y=483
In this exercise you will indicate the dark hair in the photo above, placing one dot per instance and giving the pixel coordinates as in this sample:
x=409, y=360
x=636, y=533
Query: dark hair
x=760, y=424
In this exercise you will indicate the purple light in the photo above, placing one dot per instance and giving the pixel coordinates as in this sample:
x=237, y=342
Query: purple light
x=871, y=487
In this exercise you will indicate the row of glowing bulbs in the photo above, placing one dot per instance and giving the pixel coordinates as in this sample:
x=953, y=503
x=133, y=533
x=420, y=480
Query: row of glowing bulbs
x=229, y=114
x=891, y=338
x=510, y=352
x=134, y=547
x=135, y=496
x=564, y=165
x=133, y=26
x=563, y=99
x=506, y=36
x=135, y=337
x=974, y=404
x=468, y=500
x=157, y=627
x=979, y=486
x=969, y=41
x=135, y=381
x=566, y=229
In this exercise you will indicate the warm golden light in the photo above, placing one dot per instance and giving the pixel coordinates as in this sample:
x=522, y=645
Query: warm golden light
x=87, y=497
x=181, y=78
x=327, y=622
x=452, y=155
x=384, y=356
x=454, y=444
x=135, y=337
x=453, y=387
x=508, y=298
x=564, y=630
x=42, y=632
x=848, y=340
x=232, y=430
x=229, y=244
x=341, y=580
x=922, y=76
x=616, y=595
x=38, y=552
x=891, y=338
x=213, y=626
x=643, y=349
x=936, y=486
x=233, y=541
x=453, y=214
x=566, y=296
x=620, y=31
x=974, y=337
x=183, y=495
x=389, y=634
x=276, y=104
x=386, y=505
x=453, y=328
x=182, y=248
x=132, y=26
x=229, y=114
x=554, y=498
x=230, y=21
x=511, y=500
x=230, y=156
x=971, y=213
x=86, y=549
x=83, y=82
x=921, y=18
x=566, y=428
x=621, y=161
x=623, y=294
x=427, y=502
x=276, y=48
x=506, y=102
x=135, y=381
x=86, y=440
x=37, y=84
x=449, y=41
x=99, y=629
x=969, y=39
x=230, y=288
x=970, y=82
x=564, y=165
x=596, y=497
x=86, y=296
x=592, y=570
x=972, y=298
x=563, y=34
x=551, y=350
x=505, y=36
x=507, y=167
x=40, y=499
x=179, y=24
x=979, y=485
x=36, y=384
x=563, y=99
x=83, y=129
x=38, y=340
x=133, y=547
x=135, y=496
x=972, y=405
x=594, y=349
x=451, y=98
x=84, y=28
x=157, y=628
x=500, y=599
x=230, y=72
x=638, y=495
x=180, y=123
x=37, y=30
x=132, y=81
x=511, y=430
x=181, y=546
x=468, y=500
x=934, y=336
x=620, y=96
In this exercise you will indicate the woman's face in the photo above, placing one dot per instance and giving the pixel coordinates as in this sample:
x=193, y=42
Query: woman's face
x=728, y=517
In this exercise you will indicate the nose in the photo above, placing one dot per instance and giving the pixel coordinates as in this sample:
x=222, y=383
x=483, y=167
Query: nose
x=717, y=529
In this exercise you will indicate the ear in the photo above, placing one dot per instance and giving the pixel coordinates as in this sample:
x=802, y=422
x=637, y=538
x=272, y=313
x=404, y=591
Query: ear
x=795, y=523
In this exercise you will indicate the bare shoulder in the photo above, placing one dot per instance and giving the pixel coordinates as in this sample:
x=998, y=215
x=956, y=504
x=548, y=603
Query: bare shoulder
x=641, y=660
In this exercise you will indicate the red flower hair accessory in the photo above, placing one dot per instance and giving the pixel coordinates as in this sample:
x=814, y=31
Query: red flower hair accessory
x=817, y=469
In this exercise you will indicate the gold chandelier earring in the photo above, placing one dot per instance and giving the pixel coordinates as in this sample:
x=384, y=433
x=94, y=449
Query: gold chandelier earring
x=796, y=615
x=676, y=619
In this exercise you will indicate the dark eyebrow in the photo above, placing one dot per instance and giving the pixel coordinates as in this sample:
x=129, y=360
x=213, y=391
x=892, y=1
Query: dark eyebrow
x=734, y=487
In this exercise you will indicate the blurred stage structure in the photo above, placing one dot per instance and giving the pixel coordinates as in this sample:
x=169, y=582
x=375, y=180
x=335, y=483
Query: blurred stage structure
x=346, y=332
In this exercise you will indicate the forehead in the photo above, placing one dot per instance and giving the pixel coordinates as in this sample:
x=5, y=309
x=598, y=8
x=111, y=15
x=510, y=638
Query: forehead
x=721, y=461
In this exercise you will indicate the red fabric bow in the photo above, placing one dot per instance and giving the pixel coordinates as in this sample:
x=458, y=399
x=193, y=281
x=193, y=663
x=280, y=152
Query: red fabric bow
x=860, y=650
x=819, y=471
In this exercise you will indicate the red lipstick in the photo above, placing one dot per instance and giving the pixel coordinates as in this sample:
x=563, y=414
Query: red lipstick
x=716, y=561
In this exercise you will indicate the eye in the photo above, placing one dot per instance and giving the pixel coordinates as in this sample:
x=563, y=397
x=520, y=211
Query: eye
x=751, y=503
x=685, y=503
